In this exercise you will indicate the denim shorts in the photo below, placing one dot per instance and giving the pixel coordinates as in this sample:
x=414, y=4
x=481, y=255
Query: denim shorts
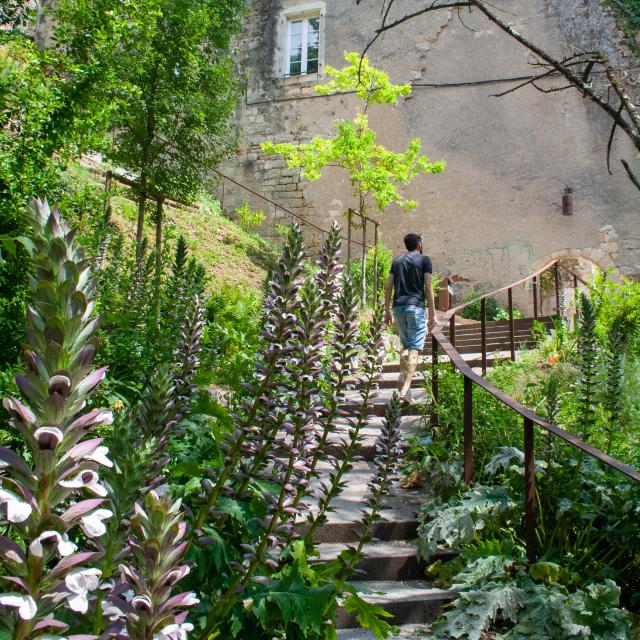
x=411, y=325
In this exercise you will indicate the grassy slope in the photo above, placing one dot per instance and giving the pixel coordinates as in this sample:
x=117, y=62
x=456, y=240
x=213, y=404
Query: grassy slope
x=230, y=255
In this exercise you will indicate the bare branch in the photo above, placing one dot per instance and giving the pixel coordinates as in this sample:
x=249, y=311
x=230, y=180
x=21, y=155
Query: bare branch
x=634, y=178
x=632, y=131
x=436, y=5
x=610, y=143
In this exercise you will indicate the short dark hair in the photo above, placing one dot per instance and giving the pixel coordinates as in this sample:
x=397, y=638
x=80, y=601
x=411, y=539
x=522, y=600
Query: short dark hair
x=412, y=240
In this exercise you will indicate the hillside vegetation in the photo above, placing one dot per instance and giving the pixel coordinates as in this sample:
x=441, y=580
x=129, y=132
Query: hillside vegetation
x=231, y=256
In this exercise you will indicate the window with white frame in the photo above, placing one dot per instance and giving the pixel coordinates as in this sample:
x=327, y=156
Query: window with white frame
x=302, y=53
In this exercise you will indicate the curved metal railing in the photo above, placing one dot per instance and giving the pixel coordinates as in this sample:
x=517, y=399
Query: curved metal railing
x=530, y=418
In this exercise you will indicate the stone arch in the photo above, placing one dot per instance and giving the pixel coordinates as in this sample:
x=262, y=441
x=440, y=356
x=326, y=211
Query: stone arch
x=598, y=257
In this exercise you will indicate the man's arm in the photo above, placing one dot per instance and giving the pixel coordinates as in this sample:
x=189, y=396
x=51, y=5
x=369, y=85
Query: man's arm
x=428, y=294
x=388, y=290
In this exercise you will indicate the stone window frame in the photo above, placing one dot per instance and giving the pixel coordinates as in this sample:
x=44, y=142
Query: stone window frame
x=291, y=13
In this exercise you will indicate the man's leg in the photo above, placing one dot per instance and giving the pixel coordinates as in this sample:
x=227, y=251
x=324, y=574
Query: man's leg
x=416, y=331
x=400, y=317
x=404, y=363
x=413, y=360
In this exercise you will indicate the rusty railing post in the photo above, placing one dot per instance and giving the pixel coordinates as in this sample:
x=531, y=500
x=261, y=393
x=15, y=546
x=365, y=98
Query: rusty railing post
x=530, y=491
x=468, y=430
x=452, y=336
x=556, y=281
x=483, y=331
x=435, y=391
x=535, y=297
x=512, y=331
x=575, y=301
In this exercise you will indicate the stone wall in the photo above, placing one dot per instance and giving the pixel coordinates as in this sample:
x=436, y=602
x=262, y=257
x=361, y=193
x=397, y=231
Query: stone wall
x=496, y=212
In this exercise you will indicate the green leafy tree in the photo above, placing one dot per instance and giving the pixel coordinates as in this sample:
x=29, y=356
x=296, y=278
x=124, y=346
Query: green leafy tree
x=375, y=173
x=177, y=63
x=53, y=107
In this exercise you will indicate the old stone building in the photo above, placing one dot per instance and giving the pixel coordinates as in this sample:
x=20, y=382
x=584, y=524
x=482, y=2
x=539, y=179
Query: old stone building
x=496, y=213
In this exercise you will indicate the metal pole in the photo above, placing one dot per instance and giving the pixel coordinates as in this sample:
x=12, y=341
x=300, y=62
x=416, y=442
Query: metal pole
x=275, y=217
x=575, y=301
x=512, y=332
x=222, y=197
x=363, y=267
x=468, y=431
x=375, y=264
x=556, y=279
x=530, y=491
x=348, y=238
x=483, y=329
x=452, y=331
x=435, y=391
x=535, y=297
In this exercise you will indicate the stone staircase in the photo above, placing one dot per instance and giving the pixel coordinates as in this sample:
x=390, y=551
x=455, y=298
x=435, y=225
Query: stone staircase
x=391, y=574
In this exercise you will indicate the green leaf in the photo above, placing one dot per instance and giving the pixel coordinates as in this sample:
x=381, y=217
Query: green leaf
x=370, y=616
x=475, y=610
x=290, y=600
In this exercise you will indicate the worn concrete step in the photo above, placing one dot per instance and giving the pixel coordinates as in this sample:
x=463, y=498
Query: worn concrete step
x=398, y=518
x=407, y=632
x=377, y=404
x=412, y=601
x=394, y=560
x=410, y=425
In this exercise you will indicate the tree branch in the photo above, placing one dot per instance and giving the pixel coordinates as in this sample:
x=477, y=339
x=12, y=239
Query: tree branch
x=634, y=178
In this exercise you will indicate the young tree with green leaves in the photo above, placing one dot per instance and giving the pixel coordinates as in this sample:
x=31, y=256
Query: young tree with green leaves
x=177, y=62
x=375, y=173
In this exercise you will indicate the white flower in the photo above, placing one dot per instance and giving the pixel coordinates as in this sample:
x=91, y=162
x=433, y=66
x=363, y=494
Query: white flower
x=174, y=632
x=26, y=605
x=52, y=538
x=109, y=610
x=100, y=456
x=92, y=524
x=17, y=510
x=79, y=583
x=85, y=480
x=48, y=437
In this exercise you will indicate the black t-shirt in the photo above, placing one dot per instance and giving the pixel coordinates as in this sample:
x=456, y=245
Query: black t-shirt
x=408, y=278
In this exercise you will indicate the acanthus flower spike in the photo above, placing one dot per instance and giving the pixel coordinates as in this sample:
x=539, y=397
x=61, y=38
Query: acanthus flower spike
x=37, y=497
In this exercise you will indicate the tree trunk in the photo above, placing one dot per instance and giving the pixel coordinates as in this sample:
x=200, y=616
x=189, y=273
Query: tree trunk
x=364, y=261
x=142, y=202
x=159, y=221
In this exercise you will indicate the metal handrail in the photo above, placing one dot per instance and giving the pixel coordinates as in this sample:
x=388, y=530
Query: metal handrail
x=277, y=205
x=530, y=418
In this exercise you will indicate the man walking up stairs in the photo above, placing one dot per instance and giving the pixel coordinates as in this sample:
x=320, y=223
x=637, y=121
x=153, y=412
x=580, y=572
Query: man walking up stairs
x=410, y=283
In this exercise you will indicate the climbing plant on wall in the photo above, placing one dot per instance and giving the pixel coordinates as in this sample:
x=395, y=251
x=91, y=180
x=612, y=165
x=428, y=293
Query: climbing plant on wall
x=375, y=172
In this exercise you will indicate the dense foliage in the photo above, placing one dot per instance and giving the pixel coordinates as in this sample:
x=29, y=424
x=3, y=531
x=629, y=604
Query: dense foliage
x=582, y=379
x=106, y=523
x=104, y=67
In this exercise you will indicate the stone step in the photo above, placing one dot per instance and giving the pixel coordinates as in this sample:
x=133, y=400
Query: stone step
x=377, y=404
x=410, y=425
x=398, y=518
x=383, y=560
x=407, y=632
x=412, y=601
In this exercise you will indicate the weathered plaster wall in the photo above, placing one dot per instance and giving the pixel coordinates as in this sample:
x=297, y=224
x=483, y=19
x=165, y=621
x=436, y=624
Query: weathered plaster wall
x=496, y=212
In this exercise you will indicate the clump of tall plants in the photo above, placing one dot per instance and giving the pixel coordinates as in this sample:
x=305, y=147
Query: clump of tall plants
x=97, y=541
